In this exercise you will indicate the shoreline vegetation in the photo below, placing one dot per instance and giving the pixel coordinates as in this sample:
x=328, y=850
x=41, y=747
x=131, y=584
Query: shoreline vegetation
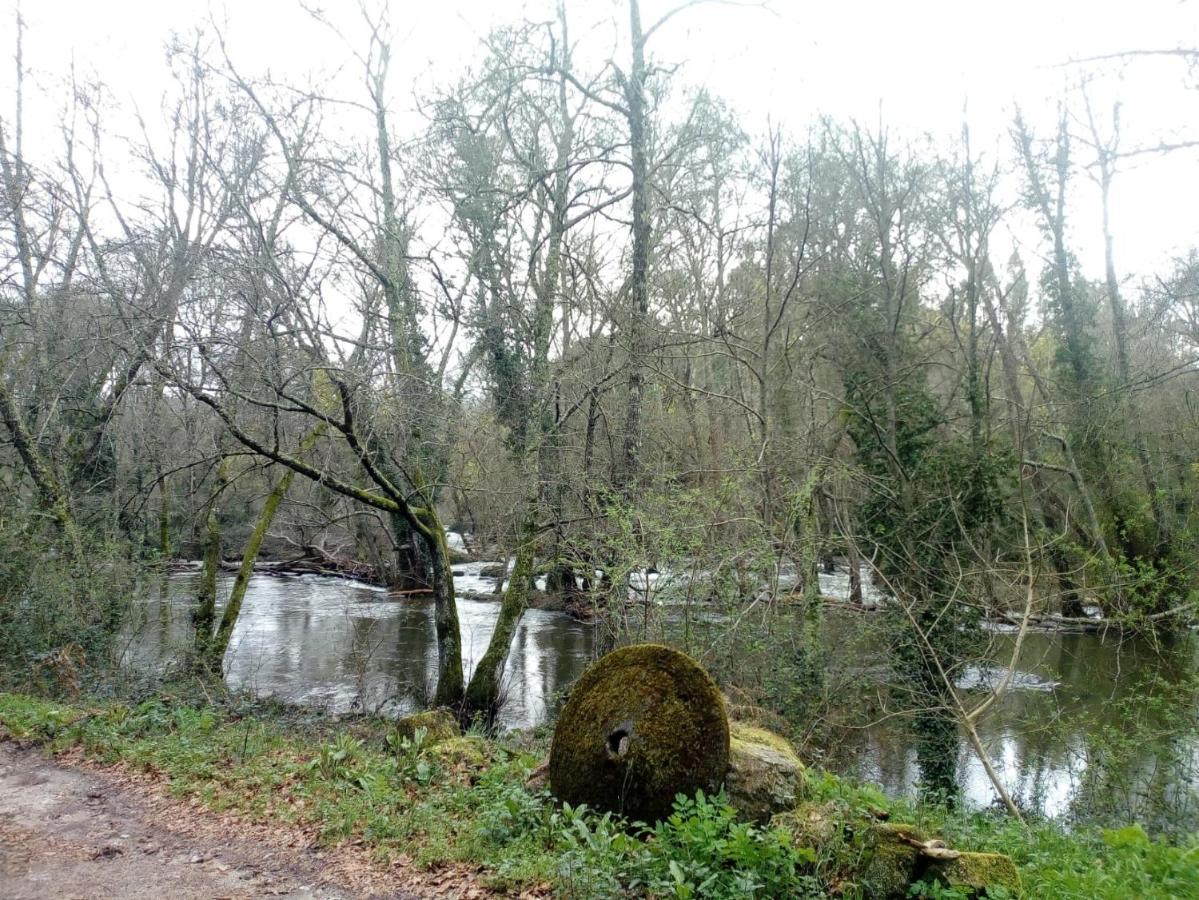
x=445, y=801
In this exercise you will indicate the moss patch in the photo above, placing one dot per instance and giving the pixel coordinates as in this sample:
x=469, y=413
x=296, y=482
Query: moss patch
x=889, y=864
x=642, y=725
x=465, y=754
x=975, y=872
x=438, y=724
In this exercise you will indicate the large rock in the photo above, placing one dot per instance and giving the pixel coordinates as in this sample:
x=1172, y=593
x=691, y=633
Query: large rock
x=765, y=776
x=642, y=725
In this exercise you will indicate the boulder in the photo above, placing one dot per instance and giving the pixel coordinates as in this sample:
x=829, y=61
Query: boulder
x=642, y=725
x=765, y=776
x=439, y=725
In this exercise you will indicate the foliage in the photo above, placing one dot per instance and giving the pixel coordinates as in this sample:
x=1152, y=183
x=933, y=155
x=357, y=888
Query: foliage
x=59, y=616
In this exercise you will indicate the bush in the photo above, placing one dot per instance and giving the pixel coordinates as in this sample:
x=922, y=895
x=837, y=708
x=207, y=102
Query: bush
x=59, y=618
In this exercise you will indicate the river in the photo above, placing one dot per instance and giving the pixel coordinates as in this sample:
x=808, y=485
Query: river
x=1077, y=706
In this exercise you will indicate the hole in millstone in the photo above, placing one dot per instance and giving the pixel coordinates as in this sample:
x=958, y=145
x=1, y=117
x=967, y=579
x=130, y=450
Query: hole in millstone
x=619, y=739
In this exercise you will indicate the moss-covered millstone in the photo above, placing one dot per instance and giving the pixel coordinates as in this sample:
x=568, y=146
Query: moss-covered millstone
x=642, y=725
x=765, y=776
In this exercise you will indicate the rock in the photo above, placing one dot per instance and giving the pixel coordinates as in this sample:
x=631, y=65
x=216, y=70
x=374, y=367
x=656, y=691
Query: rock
x=810, y=824
x=976, y=872
x=765, y=776
x=642, y=725
x=889, y=862
x=465, y=753
x=439, y=725
x=883, y=859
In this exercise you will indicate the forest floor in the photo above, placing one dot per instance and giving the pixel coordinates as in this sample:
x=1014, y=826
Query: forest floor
x=72, y=829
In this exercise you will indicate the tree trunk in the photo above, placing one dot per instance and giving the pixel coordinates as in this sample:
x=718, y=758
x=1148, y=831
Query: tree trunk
x=204, y=618
x=638, y=280
x=53, y=498
x=218, y=646
x=483, y=693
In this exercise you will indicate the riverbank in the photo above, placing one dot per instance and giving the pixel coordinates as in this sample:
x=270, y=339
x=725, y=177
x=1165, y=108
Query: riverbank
x=458, y=811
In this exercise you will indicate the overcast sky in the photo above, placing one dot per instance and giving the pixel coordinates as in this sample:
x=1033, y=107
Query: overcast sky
x=922, y=61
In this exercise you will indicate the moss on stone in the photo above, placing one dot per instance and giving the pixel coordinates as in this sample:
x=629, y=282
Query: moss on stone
x=879, y=859
x=975, y=872
x=464, y=754
x=811, y=824
x=642, y=725
x=888, y=863
x=439, y=725
x=765, y=775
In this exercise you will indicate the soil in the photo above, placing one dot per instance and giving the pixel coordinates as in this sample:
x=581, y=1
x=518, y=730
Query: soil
x=72, y=829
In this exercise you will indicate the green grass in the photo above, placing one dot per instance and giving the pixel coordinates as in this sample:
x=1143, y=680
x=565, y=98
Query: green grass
x=464, y=801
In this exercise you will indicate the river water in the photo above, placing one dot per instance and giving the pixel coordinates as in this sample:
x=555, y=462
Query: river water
x=1068, y=738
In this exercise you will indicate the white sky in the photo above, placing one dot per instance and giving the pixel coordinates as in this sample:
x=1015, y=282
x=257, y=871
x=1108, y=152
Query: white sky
x=922, y=60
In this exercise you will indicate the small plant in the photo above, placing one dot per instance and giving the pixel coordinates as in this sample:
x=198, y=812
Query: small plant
x=514, y=813
x=934, y=890
x=707, y=852
x=700, y=851
x=601, y=857
x=336, y=761
x=409, y=754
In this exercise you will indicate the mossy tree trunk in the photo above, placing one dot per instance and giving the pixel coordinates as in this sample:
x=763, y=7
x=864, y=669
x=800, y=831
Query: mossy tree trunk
x=204, y=618
x=164, y=517
x=483, y=692
x=449, y=691
x=215, y=651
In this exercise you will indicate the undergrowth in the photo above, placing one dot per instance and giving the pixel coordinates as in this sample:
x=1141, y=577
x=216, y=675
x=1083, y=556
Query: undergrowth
x=464, y=800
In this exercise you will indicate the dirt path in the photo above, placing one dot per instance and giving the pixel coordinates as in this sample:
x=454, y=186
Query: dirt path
x=70, y=830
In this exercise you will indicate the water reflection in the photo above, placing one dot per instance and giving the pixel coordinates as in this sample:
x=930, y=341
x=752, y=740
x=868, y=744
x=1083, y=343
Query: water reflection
x=345, y=646
x=1095, y=727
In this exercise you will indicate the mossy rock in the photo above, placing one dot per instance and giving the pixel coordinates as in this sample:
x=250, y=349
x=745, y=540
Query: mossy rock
x=889, y=863
x=811, y=824
x=642, y=725
x=883, y=859
x=464, y=754
x=765, y=776
x=974, y=873
x=439, y=725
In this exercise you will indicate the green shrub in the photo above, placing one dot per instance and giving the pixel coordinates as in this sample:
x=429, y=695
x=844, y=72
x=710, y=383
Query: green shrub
x=59, y=617
x=700, y=850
